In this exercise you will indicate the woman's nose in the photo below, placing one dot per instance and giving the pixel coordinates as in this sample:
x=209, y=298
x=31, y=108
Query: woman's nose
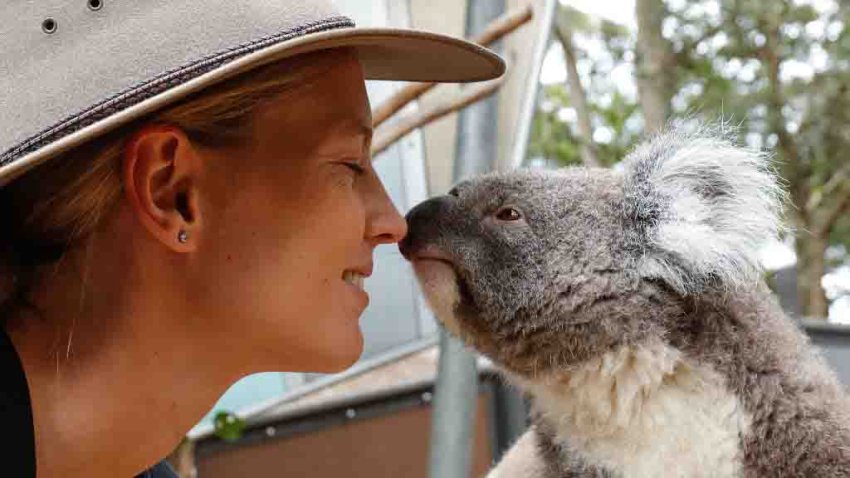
x=390, y=226
x=386, y=224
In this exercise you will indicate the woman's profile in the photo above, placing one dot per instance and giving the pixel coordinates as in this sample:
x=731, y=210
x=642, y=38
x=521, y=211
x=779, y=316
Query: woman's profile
x=186, y=197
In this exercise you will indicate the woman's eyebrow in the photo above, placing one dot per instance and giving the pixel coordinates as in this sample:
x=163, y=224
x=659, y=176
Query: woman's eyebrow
x=355, y=125
x=364, y=130
x=367, y=132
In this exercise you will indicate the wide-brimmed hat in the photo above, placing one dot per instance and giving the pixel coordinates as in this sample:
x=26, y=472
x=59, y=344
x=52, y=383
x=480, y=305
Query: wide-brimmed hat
x=71, y=70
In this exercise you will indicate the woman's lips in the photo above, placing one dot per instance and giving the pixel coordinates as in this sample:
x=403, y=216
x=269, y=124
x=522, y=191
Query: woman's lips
x=354, y=278
x=354, y=281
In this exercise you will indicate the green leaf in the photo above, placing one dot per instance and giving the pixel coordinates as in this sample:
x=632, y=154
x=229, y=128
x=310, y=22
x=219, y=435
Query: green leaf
x=228, y=426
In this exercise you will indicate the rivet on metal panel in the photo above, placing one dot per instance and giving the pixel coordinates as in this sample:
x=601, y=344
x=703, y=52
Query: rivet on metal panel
x=49, y=25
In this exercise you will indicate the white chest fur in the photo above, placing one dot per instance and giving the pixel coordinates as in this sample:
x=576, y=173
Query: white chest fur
x=645, y=412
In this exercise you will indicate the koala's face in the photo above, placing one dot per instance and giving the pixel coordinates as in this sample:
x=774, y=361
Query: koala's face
x=528, y=266
x=541, y=270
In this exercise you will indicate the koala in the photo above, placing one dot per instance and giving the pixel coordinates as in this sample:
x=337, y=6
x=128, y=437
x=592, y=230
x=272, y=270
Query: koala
x=629, y=306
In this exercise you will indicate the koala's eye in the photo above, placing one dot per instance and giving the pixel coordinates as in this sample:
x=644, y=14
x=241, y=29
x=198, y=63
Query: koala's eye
x=508, y=214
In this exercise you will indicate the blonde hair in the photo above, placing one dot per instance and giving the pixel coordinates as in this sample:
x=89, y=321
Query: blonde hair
x=60, y=203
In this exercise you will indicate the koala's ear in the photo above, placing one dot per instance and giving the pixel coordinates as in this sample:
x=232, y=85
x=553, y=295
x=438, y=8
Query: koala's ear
x=698, y=207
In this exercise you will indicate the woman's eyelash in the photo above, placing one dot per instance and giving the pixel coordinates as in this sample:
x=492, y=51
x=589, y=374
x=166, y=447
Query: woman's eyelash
x=355, y=167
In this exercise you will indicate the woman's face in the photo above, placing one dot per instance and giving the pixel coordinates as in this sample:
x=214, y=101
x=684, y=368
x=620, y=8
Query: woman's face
x=300, y=212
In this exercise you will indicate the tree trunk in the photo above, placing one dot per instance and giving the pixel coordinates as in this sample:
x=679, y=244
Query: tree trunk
x=811, y=267
x=578, y=97
x=811, y=239
x=654, y=65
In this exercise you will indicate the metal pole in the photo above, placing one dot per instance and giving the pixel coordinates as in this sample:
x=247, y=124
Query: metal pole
x=529, y=102
x=456, y=390
x=454, y=411
x=477, y=140
x=510, y=418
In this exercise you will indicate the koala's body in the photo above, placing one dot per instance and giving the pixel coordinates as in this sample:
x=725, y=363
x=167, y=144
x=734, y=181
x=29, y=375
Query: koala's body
x=629, y=307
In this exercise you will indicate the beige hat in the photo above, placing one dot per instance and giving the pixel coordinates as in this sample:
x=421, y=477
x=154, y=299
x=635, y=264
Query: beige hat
x=71, y=70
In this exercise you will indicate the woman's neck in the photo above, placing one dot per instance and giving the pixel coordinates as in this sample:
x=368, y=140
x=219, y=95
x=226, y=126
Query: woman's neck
x=113, y=388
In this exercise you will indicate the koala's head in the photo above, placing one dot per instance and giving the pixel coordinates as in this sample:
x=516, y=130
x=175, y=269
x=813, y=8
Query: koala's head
x=543, y=269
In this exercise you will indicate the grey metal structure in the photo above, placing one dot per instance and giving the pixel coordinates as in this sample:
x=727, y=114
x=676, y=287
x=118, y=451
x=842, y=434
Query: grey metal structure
x=454, y=410
x=343, y=410
x=457, y=381
x=478, y=124
x=834, y=342
x=510, y=417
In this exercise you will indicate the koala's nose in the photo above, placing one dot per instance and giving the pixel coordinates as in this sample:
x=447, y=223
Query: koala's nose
x=422, y=224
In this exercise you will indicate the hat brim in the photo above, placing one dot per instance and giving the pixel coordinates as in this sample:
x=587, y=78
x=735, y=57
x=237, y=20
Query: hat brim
x=385, y=53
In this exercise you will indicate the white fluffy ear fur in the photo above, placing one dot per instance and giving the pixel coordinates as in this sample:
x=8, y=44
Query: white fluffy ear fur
x=701, y=206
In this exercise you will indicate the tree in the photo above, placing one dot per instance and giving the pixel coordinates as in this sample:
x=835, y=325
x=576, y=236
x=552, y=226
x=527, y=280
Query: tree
x=654, y=64
x=563, y=29
x=743, y=54
x=571, y=113
x=780, y=70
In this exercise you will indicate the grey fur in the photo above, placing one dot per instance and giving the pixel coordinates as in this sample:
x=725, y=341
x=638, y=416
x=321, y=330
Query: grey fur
x=588, y=269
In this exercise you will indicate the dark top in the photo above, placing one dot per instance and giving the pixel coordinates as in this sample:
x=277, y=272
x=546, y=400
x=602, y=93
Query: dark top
x=17, y=447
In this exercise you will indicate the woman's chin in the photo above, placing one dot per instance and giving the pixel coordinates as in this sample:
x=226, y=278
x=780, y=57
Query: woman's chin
x=340, y=355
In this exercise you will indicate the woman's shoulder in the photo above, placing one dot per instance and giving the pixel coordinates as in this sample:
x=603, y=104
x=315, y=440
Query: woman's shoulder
x=18, y=455
x=161, y=470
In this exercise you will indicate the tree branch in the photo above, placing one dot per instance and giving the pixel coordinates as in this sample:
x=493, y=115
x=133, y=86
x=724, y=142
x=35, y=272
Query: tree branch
x=497, y=30
x=831, y=214
x=578, y=97
x=793, y=170
x=838, y=179
x=827, y=206
x=405, y=125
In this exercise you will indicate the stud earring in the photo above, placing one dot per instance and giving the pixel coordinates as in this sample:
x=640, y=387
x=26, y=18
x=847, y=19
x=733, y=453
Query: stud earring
x=183, y=237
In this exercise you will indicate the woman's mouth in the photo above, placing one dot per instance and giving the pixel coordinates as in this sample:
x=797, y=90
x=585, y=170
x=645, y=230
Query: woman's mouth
x=355, y=281
x=354, y=278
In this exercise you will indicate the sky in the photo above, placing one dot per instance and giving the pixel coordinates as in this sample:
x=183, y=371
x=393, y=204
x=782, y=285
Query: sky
x=623, y=13
x=619, y=11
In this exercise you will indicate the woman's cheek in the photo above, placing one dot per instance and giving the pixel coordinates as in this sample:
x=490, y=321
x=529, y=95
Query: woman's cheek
x=348, y=202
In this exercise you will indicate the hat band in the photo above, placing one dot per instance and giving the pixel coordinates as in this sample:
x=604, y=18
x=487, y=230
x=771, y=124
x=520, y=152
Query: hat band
x=160, y=83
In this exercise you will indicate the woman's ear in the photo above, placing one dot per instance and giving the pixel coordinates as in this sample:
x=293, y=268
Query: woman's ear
x=161, y=176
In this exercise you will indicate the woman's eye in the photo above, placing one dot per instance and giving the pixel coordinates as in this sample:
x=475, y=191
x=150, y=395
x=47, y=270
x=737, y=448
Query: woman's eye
x=508, y=214
x=354, y=167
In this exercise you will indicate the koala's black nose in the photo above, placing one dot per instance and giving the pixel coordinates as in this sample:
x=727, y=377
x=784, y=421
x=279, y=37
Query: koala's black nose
x=423, y=224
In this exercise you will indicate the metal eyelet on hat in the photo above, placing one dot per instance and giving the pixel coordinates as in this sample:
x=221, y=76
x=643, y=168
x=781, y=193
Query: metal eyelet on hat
x=49, y=25
x=95, y=4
